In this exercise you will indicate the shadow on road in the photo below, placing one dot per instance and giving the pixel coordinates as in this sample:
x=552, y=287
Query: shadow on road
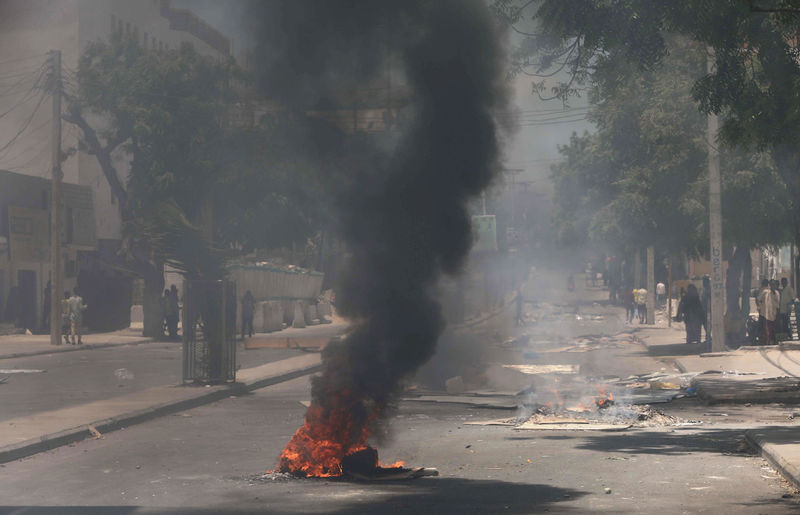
x=440, y=496
x=726, y=441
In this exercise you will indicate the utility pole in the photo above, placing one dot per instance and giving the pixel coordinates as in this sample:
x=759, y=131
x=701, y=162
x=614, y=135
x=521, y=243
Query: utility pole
x=715, y=229
x=651, y=285
x=56, y=282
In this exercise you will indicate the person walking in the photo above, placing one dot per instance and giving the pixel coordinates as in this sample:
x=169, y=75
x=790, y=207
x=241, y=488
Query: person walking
x=705, y=298
x=692, y=313
x=641, y=304
x=787, y=301
x=248, y=309
x=173, y=312
x=163, y=306
x=770, y=300
x=76, y=309
x=630, y=304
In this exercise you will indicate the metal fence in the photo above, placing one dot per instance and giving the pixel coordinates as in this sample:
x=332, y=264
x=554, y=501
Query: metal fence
x=209, y=331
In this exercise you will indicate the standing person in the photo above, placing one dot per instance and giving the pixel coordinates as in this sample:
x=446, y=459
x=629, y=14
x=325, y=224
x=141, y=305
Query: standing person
x=76, y=309
x=65, y=325
x=770, y=301
x=787, y=301
x=173, y=311
x=661, y=292
x=641, y=304
x=163, y=306
x=692, y=313
x=760, y=307
x=630, y=304
x=248, y=309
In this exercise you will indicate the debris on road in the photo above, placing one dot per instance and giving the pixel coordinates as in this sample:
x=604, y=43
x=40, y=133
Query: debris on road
x=95, y=433
x=544, y=369
x=21, y=371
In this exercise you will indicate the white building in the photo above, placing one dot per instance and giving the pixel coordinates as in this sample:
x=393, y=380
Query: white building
x=29, y=29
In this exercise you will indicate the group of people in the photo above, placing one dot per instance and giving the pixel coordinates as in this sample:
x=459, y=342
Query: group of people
x=635, y=304
x=170, y=311
x=774, y=302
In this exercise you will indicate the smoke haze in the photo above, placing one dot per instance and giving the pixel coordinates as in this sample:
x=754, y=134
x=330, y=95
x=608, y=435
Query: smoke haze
x=401, y=201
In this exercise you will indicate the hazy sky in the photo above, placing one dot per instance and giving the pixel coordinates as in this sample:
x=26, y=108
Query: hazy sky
x=542, y=127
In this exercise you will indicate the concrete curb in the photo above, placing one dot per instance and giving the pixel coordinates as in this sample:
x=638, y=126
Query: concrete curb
x=771, y=453
x=205, y=396
x=73, y=348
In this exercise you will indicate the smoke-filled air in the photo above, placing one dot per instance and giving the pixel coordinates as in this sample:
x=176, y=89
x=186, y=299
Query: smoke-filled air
x=401, y=203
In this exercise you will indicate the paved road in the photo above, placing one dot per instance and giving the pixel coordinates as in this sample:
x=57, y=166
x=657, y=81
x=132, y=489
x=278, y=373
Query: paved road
x=207, y=460
x=72, y=378
x=211, y=459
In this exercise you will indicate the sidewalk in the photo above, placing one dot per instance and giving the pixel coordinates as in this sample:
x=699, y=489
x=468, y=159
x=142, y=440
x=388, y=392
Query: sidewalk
x=21, y=345
x=769, y=374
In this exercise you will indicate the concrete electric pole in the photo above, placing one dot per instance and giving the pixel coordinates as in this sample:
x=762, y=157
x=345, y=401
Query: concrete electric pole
x=651, y=285
x=56, y=280
x=715, y=229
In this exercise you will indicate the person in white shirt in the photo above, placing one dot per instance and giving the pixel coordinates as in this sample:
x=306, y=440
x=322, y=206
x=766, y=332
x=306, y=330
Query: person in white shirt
x=641, y=304
x=661, y=292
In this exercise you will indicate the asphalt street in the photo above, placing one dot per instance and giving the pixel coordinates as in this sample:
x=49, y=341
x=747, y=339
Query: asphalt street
x=212, y=459
x=64, y=379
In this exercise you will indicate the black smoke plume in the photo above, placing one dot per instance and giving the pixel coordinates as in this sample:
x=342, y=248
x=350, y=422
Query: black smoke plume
x=400, y=199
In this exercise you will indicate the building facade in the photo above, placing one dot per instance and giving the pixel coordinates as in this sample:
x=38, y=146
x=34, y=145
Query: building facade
x=29, y=29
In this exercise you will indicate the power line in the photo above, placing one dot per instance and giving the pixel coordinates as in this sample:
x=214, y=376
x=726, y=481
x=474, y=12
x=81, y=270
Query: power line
x=18, y=59
x=10, y=142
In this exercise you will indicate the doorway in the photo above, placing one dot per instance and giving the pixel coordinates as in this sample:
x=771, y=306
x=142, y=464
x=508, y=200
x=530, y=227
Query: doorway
x=26, y=281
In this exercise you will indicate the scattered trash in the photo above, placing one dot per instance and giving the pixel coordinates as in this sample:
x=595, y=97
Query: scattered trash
x=607, y=490
x=97, y=434
x=692, y=390
x=123, y=374
x=545, y=369
x=659, y=385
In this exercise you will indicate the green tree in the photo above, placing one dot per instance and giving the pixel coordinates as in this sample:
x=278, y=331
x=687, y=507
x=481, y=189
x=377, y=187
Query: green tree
x=197, y=183
x=753, y=85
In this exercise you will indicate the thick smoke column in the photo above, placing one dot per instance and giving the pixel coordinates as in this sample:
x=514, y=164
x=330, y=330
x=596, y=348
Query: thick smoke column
x=403, y=209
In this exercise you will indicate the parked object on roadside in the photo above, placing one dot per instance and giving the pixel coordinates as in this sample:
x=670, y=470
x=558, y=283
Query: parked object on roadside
x=692, y=313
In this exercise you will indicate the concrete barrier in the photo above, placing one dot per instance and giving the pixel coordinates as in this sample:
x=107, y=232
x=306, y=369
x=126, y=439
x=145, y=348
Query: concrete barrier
x=310, y=313
x=273, y=316
x=299, y=320
x=258, y=317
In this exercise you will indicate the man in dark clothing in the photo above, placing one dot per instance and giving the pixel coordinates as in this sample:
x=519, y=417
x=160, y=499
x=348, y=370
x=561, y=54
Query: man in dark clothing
x=173, y=311
x=248, y=309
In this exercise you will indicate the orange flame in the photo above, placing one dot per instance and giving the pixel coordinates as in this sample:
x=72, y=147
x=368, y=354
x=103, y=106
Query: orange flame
x=318, y=446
